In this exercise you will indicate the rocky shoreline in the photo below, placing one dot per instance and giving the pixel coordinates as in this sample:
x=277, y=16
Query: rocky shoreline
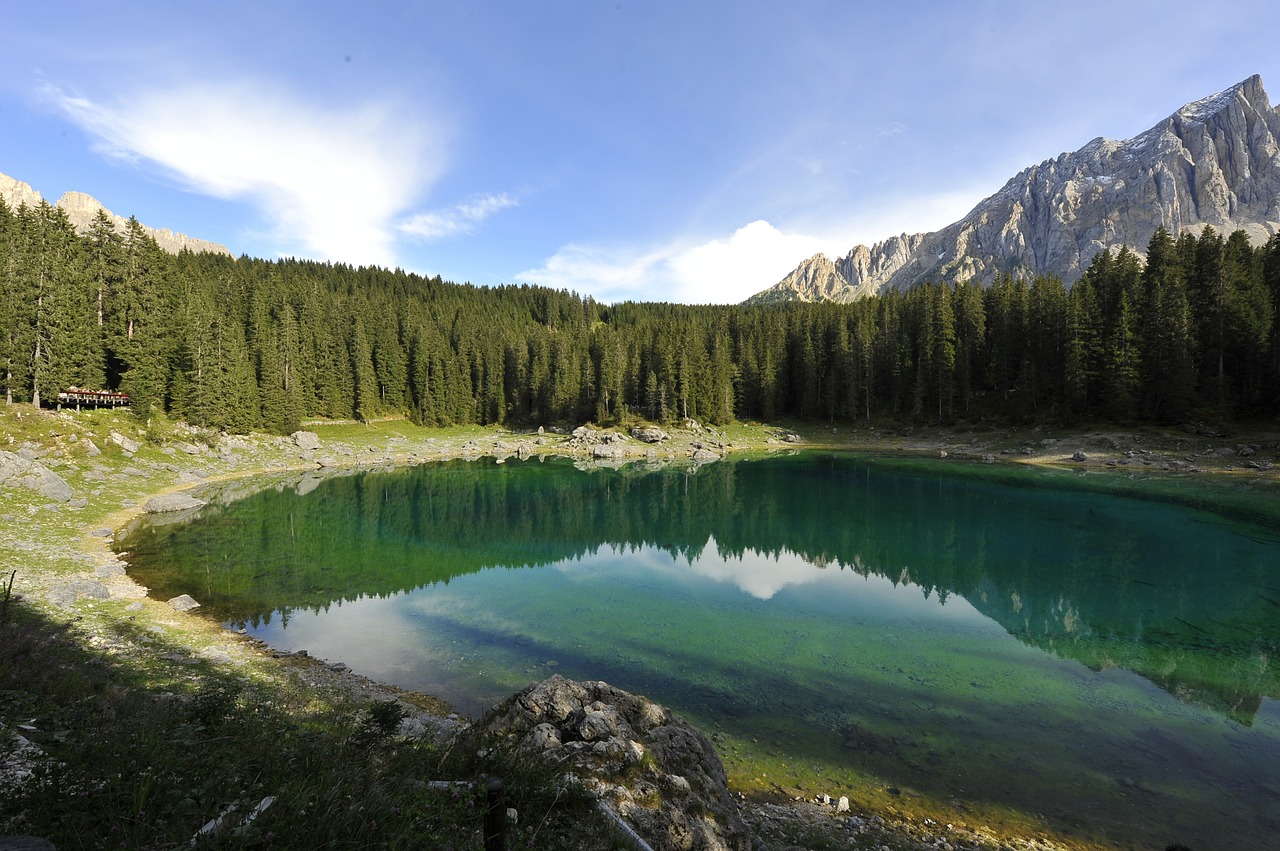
x=69, y=482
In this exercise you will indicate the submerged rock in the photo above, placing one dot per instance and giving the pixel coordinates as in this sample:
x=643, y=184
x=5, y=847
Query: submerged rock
x=657, y=771
x=166, y=502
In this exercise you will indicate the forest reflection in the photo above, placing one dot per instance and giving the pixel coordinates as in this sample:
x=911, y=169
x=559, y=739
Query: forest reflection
x=1187, y=600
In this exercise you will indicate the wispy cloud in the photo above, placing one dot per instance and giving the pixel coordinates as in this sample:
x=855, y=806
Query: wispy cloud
x=329, y=181
x=458, y=220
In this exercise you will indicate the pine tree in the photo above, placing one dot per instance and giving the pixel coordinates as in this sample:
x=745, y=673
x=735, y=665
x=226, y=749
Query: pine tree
x=1167, y=354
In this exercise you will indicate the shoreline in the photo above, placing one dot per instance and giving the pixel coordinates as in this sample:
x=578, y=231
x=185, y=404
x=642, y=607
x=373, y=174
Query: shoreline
x=348, y=448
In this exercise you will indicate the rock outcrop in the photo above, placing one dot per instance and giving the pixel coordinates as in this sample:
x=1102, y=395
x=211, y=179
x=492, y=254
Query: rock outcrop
x=29, y=473
x=657, y=771
x=82, y=209
x=1213, y=162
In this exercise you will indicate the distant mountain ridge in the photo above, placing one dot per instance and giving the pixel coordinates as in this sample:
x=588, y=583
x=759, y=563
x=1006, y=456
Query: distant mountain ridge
x=1214, y=162
x=81, y=209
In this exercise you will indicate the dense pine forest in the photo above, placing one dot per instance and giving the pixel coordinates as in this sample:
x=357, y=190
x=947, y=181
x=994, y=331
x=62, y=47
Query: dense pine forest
x=243, y=344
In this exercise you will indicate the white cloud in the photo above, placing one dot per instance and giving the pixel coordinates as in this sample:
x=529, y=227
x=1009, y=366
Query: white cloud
x=330, y=181
x=462, y=219
x=723, y=270
x=730, y=269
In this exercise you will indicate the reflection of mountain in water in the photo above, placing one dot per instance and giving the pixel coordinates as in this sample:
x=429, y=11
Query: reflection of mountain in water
x=1177, y=597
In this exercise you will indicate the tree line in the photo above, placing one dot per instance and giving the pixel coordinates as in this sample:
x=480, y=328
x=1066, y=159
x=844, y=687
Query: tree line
x=244, y=343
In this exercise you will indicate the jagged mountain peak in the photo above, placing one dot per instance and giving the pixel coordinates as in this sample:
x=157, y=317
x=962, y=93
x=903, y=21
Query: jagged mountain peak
x=82, y=209
x=1215, y=161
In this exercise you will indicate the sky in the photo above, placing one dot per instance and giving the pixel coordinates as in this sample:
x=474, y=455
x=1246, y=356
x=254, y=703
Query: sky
x=693, y=151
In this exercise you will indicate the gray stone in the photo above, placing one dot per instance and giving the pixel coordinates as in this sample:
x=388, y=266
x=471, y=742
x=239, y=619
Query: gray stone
x=22, y=472
x=705, y=456
x=307, y=441
x=172, y=502
x=91, y=589
x=127, y=444
x=649, y=434
x=1079, y=456
x=629, y=751
x=183, y=603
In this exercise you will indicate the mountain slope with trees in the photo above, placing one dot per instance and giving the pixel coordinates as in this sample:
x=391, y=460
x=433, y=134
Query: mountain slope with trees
x=246, y=344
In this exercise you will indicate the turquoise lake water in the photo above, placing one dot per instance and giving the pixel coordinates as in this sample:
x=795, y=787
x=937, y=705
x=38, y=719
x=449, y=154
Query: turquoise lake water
x=926, y=638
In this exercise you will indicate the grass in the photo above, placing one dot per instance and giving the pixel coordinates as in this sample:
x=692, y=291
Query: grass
x=151, y=724
x=143, y=748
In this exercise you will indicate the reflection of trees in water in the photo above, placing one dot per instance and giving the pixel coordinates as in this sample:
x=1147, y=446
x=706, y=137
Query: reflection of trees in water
x=1108, y=582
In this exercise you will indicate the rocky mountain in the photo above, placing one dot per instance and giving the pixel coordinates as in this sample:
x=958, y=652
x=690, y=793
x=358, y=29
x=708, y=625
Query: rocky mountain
x=81, y=209
x=1213, y=162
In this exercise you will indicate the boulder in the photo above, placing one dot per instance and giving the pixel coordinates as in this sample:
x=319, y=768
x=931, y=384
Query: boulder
x=659, y=773
x=649, y=434
x=127, y=444
x=183, y=603
x=307, y=441
x=23, y=472
x=166, y=502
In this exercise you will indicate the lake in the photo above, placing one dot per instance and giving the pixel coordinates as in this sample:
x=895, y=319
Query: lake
x=966, y=641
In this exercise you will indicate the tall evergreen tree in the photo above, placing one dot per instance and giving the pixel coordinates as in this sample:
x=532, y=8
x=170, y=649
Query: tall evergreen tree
x=1167, y=343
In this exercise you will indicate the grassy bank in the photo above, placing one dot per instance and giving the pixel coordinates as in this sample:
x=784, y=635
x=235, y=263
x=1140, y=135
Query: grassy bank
x=145, y=723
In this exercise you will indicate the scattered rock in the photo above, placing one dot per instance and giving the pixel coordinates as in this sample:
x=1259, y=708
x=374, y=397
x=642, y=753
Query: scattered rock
x=172, y=502
x=18, y=471
x=649, y=434
x=183, y=603
x=1079, y=456
x=308, y=441
x=704, y=456
x=127, y=444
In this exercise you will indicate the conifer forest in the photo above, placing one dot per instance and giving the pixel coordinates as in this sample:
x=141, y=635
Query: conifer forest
x=1188, y=335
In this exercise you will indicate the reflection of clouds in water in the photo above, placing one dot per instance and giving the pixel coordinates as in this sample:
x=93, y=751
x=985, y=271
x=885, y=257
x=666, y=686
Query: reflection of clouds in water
x=764, y=576
x=758, y=574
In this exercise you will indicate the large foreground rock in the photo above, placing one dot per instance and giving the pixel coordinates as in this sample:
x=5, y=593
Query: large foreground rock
x=656, y=770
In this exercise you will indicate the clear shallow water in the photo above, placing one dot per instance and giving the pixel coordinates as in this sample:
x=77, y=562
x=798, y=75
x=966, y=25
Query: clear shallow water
x=1099, y=666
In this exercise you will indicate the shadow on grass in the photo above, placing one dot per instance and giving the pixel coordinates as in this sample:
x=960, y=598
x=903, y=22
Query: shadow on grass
x=143, y=743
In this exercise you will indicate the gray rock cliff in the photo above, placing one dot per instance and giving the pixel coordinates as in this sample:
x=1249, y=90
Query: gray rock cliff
x=1213, y=162
x=81, y=209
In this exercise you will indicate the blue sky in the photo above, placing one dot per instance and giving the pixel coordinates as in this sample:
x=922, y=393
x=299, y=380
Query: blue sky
x=661, y=151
